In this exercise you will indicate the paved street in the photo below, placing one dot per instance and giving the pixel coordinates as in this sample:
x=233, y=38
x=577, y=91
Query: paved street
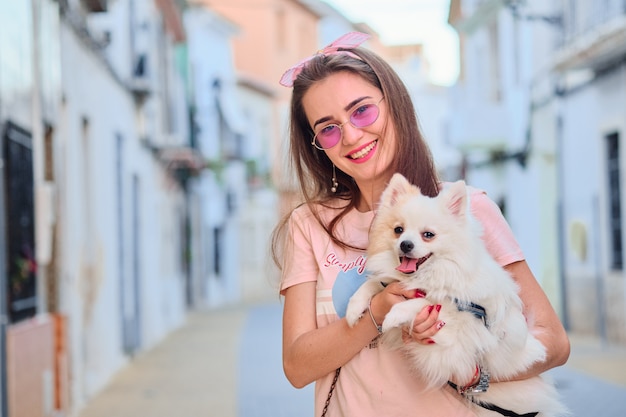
x=227, y=363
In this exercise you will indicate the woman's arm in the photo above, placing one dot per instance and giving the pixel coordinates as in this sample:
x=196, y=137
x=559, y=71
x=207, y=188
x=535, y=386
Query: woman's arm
x=310, y=353
x=542, y=319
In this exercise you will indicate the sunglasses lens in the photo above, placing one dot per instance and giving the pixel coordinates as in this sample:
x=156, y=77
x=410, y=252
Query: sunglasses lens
x=328, y=137
x=364, y=115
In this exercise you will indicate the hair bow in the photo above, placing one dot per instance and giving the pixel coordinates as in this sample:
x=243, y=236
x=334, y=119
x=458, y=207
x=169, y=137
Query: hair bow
x=347, y=41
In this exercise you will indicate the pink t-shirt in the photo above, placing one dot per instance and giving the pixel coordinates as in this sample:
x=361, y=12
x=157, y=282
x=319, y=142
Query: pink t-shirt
x=377, y=381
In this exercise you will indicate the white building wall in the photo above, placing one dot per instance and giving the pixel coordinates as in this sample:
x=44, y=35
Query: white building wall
x=89, y=255
x=93, y=254
x=590, y=114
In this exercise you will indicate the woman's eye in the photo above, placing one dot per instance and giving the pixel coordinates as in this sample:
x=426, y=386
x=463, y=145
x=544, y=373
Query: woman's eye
x=362, y=111
x=328, y=129
x=398, y=230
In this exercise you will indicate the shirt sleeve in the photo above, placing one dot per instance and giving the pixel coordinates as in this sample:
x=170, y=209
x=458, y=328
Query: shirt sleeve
x=300, y=263
x=497, y=233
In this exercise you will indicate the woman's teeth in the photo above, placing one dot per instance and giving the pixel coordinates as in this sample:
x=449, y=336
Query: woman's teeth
x=360, y=154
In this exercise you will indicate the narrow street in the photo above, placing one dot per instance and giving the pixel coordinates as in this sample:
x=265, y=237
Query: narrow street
x=227, y=363
x=224, y=363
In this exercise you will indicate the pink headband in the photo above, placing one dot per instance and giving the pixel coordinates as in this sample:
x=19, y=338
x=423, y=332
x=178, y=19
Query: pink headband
x=348, y=41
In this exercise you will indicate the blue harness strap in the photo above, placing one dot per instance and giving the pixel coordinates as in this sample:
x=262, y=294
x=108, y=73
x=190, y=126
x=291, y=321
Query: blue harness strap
x=477, y=310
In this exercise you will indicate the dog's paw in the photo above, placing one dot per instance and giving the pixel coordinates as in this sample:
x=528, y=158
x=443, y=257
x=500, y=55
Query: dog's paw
x=403, y=313
x=394, y=320
x=355, y=310
x=360, y=300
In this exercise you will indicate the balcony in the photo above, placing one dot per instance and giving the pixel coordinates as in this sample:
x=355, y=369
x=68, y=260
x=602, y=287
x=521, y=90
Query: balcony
x=595, y=42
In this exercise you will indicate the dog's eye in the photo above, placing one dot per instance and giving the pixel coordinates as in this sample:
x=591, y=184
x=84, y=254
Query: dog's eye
x=428, y=235
x=398, y=230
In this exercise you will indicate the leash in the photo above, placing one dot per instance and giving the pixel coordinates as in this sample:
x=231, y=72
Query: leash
x=503, y=411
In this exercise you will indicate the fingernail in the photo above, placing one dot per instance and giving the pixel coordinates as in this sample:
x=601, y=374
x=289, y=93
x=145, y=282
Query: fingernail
x=419, y=293
x=431, y=341
x=430, y=309
x=440, y=325
x=438, y=307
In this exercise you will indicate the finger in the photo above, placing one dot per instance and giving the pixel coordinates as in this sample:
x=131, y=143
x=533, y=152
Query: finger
x=431, y=331
x=409, y=337
x=414, y=293
x=426, y=318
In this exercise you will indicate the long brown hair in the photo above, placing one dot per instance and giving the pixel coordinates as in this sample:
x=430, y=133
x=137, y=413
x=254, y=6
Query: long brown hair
x=313, y=168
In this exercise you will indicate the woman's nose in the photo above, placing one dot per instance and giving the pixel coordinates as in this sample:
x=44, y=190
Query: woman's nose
x=351, y=134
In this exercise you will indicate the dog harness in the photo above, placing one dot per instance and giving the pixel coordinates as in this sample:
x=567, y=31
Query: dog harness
x=477, y=310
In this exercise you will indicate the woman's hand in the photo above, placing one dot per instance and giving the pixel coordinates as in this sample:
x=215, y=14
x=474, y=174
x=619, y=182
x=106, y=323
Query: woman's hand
x=425, y=324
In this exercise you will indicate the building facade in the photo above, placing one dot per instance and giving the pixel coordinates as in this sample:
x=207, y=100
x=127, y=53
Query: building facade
x=589, y=95
x=96, y=157
x=539, y=117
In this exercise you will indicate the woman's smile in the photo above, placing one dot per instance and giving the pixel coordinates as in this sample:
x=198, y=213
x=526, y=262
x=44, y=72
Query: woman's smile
x=364, y=153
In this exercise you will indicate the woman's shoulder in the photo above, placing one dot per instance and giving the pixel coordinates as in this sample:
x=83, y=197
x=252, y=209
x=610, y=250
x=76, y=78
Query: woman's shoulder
x=480, y=201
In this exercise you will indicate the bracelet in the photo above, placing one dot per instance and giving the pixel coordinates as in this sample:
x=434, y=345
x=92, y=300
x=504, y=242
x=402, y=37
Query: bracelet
x=369, y=309
x=481, y=385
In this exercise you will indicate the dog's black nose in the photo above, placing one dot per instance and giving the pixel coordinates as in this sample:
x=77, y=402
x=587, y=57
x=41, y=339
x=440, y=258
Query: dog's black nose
x=406, y=246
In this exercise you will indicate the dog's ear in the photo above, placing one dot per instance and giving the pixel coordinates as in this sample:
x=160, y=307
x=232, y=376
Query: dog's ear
x=398, y=186
x=456, y=198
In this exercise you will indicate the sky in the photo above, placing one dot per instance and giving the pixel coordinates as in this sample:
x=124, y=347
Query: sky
x=411, y=21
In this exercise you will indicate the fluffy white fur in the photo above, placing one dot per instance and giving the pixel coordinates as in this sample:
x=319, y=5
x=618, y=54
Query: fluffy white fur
x=442, y=231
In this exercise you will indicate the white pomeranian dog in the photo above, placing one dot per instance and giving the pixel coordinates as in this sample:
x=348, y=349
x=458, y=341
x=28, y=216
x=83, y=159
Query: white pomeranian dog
x=435, y=245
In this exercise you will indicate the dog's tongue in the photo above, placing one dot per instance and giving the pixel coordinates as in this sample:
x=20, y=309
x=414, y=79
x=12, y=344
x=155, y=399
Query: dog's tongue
x=407, y=265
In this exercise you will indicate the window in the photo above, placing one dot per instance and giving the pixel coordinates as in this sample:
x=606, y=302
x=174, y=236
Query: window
x=218, y=234
x=616, y=259
x=18, y=195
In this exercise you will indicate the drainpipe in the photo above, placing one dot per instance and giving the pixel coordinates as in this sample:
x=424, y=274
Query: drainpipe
x=38, y=158
x=599, y=278
x=561, y=215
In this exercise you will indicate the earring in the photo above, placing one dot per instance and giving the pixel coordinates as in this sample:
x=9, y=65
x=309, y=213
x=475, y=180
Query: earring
x=335, y=184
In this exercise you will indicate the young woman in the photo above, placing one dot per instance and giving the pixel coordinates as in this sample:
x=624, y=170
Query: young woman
x=352, y=127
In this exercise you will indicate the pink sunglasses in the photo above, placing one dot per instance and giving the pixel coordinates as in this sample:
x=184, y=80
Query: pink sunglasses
x=330, y=134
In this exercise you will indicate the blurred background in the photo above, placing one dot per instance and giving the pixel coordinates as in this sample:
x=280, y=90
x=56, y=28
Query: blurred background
x=143, y=159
